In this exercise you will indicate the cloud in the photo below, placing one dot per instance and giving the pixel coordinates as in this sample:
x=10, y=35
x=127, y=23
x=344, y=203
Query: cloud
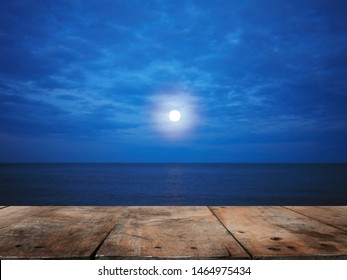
x=76, y=69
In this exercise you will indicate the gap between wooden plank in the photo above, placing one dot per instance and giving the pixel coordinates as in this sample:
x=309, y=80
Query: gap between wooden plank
x=178, y=232
x=120, y=222
x=243, y=247
x=276, y=232
x=298, y=209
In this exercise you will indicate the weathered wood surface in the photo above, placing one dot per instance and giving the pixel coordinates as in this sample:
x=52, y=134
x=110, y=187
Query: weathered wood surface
x=277, y=232
x=14, y=214
x=170, y=233
x=61, y=233
x=2, y=207
x=335, y=216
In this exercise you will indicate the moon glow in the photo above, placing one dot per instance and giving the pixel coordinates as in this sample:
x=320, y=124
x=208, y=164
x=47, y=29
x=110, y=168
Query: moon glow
x=174, y=115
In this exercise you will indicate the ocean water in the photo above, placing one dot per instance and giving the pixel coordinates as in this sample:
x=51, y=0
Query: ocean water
x=173, y=184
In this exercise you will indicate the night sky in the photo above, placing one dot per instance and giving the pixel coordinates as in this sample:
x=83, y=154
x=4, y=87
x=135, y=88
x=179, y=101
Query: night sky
x=94, y=81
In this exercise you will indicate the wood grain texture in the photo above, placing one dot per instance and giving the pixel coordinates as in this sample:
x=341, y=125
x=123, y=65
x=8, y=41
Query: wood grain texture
x=14, y=214
x=335, y=216
x=277, y=232
x=61, y=233
x=170, y=233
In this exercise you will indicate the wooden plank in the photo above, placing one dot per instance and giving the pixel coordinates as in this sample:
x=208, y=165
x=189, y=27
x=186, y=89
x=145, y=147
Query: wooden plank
x=14, y=214
x=277, y=232
x=335, y=216
x=62, y=233
x=3, y=207
x=170, y=233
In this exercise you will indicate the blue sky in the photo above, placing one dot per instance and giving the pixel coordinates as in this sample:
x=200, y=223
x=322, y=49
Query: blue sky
x=94, y=81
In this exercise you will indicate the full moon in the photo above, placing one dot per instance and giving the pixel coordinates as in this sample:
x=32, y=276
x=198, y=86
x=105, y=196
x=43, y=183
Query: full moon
x=174, y=116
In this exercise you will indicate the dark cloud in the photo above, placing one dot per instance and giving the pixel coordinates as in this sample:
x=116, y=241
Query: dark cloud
x=261, y=72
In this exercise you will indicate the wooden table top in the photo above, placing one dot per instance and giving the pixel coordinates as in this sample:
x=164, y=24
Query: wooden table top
x=175, y=232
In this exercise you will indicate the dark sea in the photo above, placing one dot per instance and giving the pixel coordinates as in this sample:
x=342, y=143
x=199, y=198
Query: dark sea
x=173, y=184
